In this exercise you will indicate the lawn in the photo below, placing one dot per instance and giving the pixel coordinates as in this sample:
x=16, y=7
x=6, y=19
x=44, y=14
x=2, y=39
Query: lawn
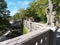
x=25, y=30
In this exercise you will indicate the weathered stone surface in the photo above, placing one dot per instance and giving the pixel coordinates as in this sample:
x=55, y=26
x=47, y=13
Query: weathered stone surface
x=50, y=14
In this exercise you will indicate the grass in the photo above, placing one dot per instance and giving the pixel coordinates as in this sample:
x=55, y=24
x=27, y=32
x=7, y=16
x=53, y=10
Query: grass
x=25, y=30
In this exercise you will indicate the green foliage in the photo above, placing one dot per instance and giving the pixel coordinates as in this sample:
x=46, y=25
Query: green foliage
x=4, y=15
x=20, y=15
x=25, y=30
x=57, y=3
x=16, y=16
x=2, y=27
x=3, y=4
x=2, y=32
x=37, y=9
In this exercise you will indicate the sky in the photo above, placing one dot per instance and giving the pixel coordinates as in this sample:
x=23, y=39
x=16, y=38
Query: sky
x=15, y=5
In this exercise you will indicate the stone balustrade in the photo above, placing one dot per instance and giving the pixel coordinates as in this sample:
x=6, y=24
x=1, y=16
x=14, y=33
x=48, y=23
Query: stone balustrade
x=37, y=37
x=33, y=25
x=41, y=35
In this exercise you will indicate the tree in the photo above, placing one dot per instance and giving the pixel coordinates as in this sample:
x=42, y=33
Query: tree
x=16, y=16
x=37, y=10
x=4, y=14
x=57, y=8
x=20, y=14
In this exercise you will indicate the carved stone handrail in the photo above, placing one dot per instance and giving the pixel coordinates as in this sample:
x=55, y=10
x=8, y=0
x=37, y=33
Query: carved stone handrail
x=37, y=37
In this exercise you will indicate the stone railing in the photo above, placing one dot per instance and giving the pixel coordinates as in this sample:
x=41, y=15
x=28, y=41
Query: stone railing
x=37, y=37
x=37, y=26
x=33, y=25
